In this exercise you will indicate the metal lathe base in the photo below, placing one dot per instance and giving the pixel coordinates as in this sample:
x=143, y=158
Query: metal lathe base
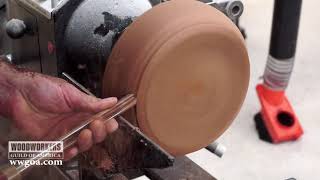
x=183, y=167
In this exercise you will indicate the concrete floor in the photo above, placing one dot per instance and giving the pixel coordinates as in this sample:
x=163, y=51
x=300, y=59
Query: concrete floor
x=247, y=157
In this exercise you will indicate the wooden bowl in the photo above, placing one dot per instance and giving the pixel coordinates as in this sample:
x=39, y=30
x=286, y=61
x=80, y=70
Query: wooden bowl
x=188, y=66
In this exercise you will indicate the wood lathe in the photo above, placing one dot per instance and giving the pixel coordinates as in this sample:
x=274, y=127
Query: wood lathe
x=184, y=60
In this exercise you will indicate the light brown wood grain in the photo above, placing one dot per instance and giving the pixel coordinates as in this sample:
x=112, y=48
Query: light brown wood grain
x=188, y=66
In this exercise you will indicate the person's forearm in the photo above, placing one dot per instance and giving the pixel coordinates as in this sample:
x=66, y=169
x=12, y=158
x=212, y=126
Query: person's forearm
x=7, y=87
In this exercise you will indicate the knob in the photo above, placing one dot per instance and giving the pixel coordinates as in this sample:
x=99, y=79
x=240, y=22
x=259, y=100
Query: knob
x=217, y=149
x=16, y=28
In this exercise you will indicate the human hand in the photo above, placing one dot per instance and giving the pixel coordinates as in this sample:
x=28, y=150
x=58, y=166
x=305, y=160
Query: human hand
x=45, y=108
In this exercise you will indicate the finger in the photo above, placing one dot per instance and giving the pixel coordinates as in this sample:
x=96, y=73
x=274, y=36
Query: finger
x=85, y=140
x=103, y=104
x=94, y=106
x=71, y=153
x=98, y=131
x=111, y=126
x=80, y=101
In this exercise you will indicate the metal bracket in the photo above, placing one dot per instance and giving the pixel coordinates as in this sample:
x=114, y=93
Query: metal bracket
x=44, y=7
x=127, y=148
x=231, y=8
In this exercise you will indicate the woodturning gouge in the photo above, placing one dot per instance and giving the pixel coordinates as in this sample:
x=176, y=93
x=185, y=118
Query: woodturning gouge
x=123, y=105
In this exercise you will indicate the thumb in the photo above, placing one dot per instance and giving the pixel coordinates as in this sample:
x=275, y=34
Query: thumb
x=102, y=104
x=80, y=101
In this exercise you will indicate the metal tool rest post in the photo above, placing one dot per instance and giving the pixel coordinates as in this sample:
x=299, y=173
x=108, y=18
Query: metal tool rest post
x=277, y=121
